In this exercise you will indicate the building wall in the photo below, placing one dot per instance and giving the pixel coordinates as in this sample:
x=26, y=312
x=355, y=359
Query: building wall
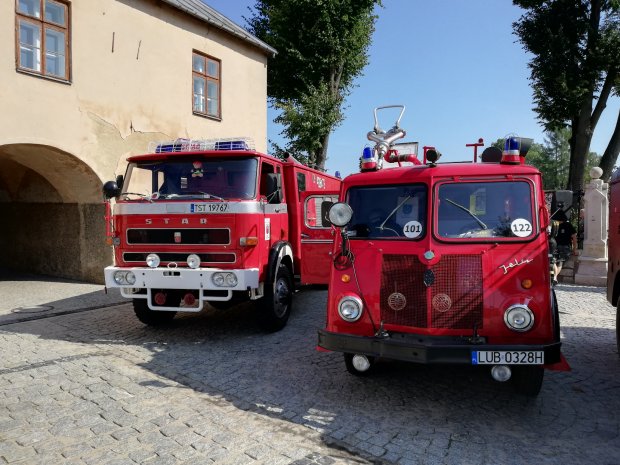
x=131, y=83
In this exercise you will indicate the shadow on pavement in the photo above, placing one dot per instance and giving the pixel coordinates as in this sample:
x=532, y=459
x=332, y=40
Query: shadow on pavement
x=419, y=409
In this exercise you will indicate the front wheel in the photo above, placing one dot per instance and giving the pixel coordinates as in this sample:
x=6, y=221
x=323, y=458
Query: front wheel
x=276, y=304
x=618, y=328
x=528, y=379
x=151, y=317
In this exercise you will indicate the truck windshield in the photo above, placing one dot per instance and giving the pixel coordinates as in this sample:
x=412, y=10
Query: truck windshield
x=485, y=210
x=390, y=212
x=195, y=178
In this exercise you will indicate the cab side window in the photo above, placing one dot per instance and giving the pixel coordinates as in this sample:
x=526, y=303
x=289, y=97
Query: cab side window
x=315, y=210
x=270, y=184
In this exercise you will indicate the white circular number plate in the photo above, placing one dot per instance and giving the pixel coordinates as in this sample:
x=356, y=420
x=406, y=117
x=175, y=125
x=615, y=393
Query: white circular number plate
x=521, y=227
x=412, y=229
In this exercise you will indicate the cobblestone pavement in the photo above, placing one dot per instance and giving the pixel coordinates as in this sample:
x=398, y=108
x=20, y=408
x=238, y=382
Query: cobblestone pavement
x=98, y=387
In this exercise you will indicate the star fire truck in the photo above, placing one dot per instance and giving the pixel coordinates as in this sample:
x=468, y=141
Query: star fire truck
x=613, y=277
x=443, y=263
x=198, y=221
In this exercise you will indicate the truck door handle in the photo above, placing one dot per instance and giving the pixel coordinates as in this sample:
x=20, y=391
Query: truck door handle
x=305, y=236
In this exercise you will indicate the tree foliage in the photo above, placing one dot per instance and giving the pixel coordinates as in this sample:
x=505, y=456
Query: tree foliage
x=322, y=47
x=574, y=70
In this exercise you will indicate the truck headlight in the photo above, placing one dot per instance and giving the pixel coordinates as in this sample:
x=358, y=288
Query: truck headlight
x=519, y=317
x=152, y=260
x=230, y=279
x=350, y=308
x=224, y=279
x=124, y=278
x=193, y=261
x=340, y=214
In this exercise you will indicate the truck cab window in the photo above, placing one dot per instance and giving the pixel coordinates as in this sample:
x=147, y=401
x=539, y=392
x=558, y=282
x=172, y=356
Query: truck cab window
x=388, y=212
x=485, y=210
x=228, y=179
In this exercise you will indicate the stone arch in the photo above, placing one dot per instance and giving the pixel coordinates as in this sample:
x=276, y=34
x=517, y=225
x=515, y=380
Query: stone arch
x=28, y=172
x=51, y=203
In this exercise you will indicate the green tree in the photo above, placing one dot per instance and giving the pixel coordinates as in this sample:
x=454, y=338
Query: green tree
x=322, y=47
x=574, y=70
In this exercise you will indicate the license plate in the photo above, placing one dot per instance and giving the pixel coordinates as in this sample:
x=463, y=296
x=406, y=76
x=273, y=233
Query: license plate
x=508, y=357
x=209, y=207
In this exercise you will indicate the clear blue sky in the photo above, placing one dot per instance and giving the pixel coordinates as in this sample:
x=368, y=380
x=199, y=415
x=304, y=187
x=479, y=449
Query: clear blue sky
x=454, y=64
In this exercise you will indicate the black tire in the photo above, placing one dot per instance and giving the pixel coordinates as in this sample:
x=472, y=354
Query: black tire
x=618, y=328
x=151, y=317
x=556, y=315
x=528, y=379
x=348, y=362
x=276, y=305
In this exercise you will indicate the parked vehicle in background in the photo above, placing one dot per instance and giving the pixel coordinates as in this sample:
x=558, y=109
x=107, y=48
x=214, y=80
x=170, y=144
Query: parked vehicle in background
x=444, y=263
x=198, y=221
x=613, y=249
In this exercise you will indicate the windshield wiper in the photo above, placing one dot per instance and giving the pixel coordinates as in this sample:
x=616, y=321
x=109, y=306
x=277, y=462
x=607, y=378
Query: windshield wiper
x=394, y=211
x=142, y=196
x=205, y=195
x=482, y=225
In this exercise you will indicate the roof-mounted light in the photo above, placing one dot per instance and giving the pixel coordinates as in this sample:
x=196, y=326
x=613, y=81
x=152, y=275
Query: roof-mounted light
x=197, y=145
x=369, y=160
x=515, y=149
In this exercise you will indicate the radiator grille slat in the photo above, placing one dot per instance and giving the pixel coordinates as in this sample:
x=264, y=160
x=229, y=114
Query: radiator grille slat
x=452, y=301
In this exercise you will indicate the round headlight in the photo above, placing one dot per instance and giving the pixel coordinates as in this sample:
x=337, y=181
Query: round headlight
x=230, y=279
x=340, y=214
x=218, y=279
x=193, y=261
x=350, y=308
x=130, y=278
x=152, y=260
x=119, y=277
x=519, y=318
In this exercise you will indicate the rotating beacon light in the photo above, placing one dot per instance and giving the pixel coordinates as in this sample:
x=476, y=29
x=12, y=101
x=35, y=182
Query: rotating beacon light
x=369, y=160
x=515, y=149
x=510, y=155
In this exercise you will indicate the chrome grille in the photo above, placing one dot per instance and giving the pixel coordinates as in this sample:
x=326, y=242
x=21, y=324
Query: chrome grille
x=452, y=301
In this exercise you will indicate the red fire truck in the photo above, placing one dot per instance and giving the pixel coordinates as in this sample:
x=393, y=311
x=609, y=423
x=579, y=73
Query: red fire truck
x=613, y=247
x=443, y=263
x=198, y=221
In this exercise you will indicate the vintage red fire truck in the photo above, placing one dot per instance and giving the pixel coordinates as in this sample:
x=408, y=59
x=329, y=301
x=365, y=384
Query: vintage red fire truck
x=613, y=248
x=443, y=263
x=198, y=221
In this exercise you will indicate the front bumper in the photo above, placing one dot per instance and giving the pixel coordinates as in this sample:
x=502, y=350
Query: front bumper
x=198, y=279
x=424, y=349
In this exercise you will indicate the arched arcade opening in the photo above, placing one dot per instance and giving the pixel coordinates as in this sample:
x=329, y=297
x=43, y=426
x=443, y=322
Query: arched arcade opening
x=52, y=214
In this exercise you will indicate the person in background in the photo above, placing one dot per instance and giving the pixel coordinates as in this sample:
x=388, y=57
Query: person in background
x=566, y=239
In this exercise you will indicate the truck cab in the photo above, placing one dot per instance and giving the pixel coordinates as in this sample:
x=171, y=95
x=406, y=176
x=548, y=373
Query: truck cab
x=613, y=241
x=443, y=263
x=198, y=221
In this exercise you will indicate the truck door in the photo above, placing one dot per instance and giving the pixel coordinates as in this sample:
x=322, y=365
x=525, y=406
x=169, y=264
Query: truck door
x=316, y=237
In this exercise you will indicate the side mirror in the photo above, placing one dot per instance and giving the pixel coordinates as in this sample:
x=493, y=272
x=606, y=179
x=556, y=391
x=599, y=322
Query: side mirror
x=119, y=181
x=111, y=190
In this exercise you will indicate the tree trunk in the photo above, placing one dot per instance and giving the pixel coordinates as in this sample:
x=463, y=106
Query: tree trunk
x=611, y=153
x=580, y=148
x=321, y=155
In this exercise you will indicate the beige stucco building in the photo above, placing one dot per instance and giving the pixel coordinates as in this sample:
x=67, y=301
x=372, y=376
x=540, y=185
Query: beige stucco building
x=87, y=83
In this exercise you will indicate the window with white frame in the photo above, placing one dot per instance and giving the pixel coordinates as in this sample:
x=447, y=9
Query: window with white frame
x=206, y=85
x=42, y=37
